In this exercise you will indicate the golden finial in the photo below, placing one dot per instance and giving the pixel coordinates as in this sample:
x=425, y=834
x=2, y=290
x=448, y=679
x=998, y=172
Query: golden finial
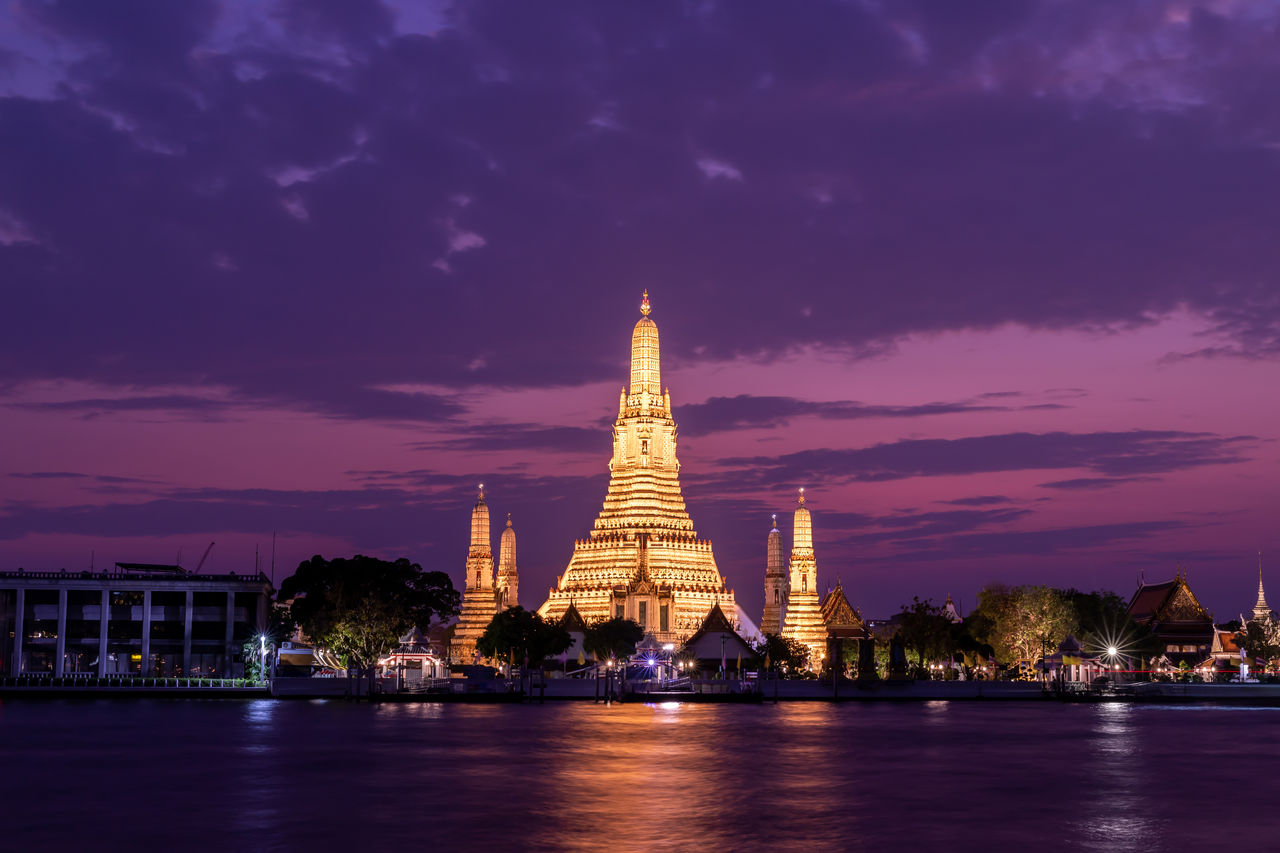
x=802, y=496
x=508, y=519
x=644, y=304
x=482, y=491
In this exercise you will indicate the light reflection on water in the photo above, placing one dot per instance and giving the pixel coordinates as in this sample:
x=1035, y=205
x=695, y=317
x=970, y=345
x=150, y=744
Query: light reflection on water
x=572, y=776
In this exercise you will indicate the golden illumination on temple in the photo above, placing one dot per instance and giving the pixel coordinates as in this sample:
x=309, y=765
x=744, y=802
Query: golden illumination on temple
x=480, y=598
x=776, y=586
x=802, y=617
x=643, y=559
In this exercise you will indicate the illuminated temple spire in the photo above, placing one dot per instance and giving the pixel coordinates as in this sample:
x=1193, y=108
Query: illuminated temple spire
x=802, y=620
x=508, y=578
x=480, y=554
x=775, y=583
x=1260, y=609
x=646, y=373
x=478, y=603
x=644, y=559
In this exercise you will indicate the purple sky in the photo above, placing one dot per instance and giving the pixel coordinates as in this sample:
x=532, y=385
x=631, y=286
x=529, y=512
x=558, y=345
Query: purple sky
x=996, y=283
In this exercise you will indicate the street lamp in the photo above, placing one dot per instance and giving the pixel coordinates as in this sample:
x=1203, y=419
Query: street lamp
x=262, y=658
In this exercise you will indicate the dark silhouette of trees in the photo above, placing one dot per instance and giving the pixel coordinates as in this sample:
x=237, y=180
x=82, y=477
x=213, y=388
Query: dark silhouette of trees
x=613, y=638
x=517, y=636
x=926, y=631
x=785, y=655
x=359, y=607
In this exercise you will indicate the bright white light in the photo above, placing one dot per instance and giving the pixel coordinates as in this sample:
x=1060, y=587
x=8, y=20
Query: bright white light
x=1113, y=651
x=650, y=661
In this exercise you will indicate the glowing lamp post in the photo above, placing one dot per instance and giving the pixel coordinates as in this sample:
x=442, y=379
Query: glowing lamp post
x=262, y=657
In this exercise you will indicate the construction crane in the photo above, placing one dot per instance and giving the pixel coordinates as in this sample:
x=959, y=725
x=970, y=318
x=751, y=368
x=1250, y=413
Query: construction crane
x=205, y=557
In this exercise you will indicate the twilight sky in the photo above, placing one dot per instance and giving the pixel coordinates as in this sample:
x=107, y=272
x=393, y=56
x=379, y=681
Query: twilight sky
x=997, y=283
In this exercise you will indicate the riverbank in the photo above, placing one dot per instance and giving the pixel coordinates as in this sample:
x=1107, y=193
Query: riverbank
x=589, y=690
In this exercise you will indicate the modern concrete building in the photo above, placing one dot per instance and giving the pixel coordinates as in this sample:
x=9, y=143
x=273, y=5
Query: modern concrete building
x=138, y=619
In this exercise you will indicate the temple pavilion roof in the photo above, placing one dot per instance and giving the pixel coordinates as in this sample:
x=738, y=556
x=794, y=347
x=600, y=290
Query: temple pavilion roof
x=572, y=620
x=1167, y=602
x=837, y=612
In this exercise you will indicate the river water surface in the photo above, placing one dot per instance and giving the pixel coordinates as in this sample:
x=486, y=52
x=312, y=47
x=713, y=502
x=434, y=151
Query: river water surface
x=267, y=775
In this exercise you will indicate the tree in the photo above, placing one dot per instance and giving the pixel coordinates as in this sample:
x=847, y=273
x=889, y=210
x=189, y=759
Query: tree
x=925, y=630
x=613, y=638
x=359, y=607
x=785, y=655
x=1103, y=622
x=1023, y=622
x=519, y=635
x=1260, y=639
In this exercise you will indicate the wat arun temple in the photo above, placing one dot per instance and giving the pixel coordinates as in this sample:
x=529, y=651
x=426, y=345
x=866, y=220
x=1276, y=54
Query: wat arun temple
x=642, y=559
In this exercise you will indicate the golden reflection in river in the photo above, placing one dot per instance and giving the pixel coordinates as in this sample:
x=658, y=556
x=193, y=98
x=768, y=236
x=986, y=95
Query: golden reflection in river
x=645, y=777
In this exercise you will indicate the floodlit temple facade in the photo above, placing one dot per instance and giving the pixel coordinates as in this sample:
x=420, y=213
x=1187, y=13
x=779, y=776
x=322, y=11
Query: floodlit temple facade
x=643, y=559
x=481, y=598
x=508, y=588
x=802, y=618
x=776, y=585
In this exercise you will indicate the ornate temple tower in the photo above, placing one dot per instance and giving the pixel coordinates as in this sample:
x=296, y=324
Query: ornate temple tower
x=643, y=560
x=775, y=584
x=1260, y=608
x=507, y=594
x=802, y=620
x=478, y=602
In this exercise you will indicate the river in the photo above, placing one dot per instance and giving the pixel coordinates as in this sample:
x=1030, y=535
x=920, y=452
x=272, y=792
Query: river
x=310, y=776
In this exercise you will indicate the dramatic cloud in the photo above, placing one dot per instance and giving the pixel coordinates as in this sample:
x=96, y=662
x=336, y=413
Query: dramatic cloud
x=745, y=411
x=1112, y=453
x=248, y=246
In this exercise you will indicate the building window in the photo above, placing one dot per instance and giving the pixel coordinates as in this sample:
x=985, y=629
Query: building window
x=777, y=596
x=644, y=614
x=804, y=583
x=664, y=617
x=644, y=446
x=618, y=611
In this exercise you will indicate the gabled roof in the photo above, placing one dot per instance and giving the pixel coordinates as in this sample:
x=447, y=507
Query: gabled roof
x=1168, y=602
x=572, y=620
x=716, y=623
x=837, y=612
x=1224, y=642
x=1147, y=600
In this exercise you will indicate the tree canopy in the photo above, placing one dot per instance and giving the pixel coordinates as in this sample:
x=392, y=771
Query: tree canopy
x=1260, y=638
x=516, y=635
x=360, y=606
x=926, y=631
x=1103, y=621
x=785, y=654
x=613, y=638
x=1022, y=622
